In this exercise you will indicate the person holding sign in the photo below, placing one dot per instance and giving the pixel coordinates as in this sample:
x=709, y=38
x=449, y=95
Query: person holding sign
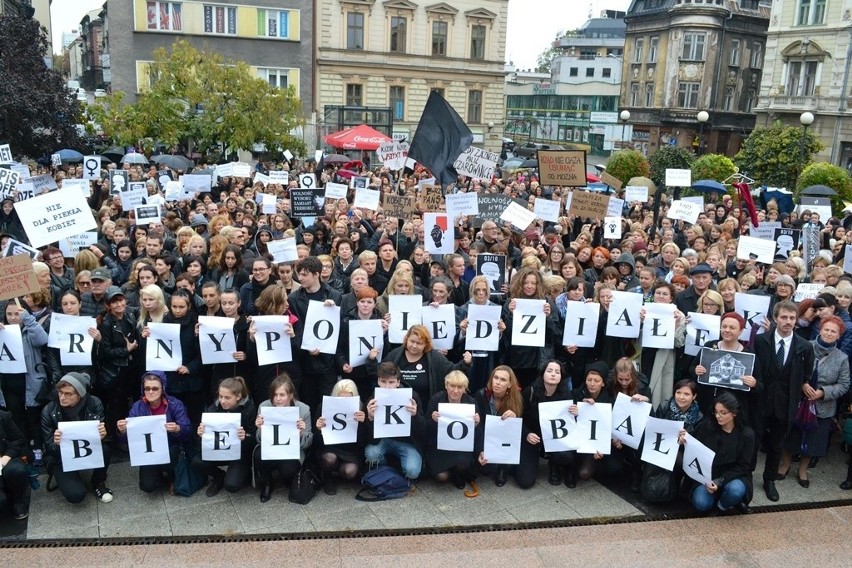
x=15, y=490
x=282, y=393
x=233, y=398
x=734, y=444
x=72, y=404
x=482, y=361
x=345, y=459
x=70, y=303
x=229, y=302
x=456, y=467
x=273, y=301
x=591, y=392
x=186, y=383
x=364, y=310
x=659, y=363
x=156, y=402
x=682, y=407
x=625, y=379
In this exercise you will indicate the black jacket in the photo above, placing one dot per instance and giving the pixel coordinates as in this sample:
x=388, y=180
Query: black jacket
x=51, y=416
x=734, y=453
x=113, y=354
x=12, y=441
x=801, y=361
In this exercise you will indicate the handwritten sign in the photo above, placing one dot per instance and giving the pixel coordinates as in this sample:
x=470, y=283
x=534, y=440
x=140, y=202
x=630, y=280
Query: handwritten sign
x=566, y=168
x=17, y=277
x=586, y=204
x=611, y=180
x=476, y=163
x=400, y=206
x=678, y=178
x=393, y=154
x=432, y=197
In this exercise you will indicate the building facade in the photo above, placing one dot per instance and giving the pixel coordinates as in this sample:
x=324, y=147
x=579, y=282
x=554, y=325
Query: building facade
x=378, y=60
x=809, y=51
x=91, y=50
x=686, y=56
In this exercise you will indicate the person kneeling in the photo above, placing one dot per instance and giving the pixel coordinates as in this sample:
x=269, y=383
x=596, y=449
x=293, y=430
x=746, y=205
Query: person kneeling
x=15, y=489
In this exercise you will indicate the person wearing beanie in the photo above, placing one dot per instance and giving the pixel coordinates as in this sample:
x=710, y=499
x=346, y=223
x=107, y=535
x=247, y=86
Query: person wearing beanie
x=592, y=391
x=74, y=403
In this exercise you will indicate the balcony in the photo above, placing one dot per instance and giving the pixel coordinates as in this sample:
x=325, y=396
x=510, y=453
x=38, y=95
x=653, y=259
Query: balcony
x=799, y=103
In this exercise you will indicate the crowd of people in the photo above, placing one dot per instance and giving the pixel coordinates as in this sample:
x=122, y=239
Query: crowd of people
x=209, y=256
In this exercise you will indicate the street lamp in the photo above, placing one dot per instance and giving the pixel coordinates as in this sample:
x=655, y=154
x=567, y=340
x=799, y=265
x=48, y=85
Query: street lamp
x=702, y=117
x=806, y=119
x=624, y=116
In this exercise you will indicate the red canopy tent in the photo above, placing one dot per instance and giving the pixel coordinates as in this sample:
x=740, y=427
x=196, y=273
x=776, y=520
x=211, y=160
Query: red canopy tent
x=360, y=137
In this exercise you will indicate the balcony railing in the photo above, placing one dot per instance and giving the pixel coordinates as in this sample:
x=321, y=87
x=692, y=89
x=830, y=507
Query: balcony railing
x=791, y=102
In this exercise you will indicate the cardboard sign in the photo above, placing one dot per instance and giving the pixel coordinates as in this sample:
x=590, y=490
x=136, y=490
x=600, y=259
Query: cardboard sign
x=566, y=168
x=303, y=203
x=400, y=206
x=678, y=178
x=53, y=216
x=17, y=277
x=476, y=163
x=586, y=204
x=432, y=197
x=611, y=180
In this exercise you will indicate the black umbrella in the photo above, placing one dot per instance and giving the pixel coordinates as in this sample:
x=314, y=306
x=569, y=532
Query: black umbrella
x=819, y=190
x=529, y=164
x=173, y=161
x=114, y=154
x=336, y=159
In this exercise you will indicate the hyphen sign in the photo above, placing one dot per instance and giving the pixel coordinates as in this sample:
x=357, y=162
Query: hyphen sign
x=566, y=168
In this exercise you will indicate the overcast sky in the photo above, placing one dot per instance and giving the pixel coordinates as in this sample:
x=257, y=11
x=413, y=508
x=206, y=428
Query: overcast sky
x=533, y=24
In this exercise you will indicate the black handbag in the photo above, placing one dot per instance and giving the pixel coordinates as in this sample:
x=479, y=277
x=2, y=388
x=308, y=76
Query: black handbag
x=304, y=486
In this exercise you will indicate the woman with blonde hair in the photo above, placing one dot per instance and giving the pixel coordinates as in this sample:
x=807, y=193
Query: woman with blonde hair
x=217, y=223
x=184, y=234
x=217, y=247
x=85, y=260
x=401, y=284
x=343, y=459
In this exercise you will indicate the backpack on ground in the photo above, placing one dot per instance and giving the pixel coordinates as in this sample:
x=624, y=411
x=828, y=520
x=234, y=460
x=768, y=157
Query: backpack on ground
x=383, y=483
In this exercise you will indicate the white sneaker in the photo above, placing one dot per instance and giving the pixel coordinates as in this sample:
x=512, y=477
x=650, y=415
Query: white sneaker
x=103, y=493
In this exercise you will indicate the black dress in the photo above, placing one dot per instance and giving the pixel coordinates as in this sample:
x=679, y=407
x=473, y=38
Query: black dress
x=440, y=461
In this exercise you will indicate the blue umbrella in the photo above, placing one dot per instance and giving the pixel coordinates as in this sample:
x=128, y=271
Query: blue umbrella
x=709, y=186
x=70, y=155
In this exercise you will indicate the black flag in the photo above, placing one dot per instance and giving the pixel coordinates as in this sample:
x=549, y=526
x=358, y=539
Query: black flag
x=440, y=137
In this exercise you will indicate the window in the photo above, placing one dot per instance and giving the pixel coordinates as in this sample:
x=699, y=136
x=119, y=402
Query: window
x=273, y=23
x=354, y=30
x=637, y=51
x=810, y=12
x=693, y=46
x=477, y=42
x=728, y=99
x=164, y=16
x=278, y=78
x=653, y=45
x=397, y=102
x=474, y=107
x=801, y=78
x=220, y=20
x=353, y=95
x=439, y=38
x=590, y=71
x=749, y=102
x=397, y=39
x=757, y=56
x=588, y=54
x=573, y=71
x=687, y=94
x=734, y=57
x=649, y=95
x=634, y=94
x=606, y=72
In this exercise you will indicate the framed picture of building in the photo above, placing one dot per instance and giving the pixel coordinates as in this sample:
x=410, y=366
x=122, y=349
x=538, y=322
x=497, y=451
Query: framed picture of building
x=725, y=368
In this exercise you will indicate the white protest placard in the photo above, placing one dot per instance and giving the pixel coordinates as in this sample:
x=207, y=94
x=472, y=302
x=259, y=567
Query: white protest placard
x=26, y=190
x=684, y=210
x=367, y=198
x=615, y=207
x=322, y=328
x=556, y=424
x=754, y=310
x=405, y=311
x=529, y=323
x=661, y=447
x=752, y=248
x=698, y=199
x=283, y=250
x=280, y=177
x=220, y=441
x=441, y=323
x=70, y=334
x=336, y=191
x=288, y=155
x=356, y=182
x=546, y=209
x=9, y=181
x=196, y=183
x=807, y=291
x=6, y=153
x=678, y=178
x=502, y=440
x=476, y=163
x=629, y=418
x=593, y=433
x=12, y=350
x=271, y=339
x=147, y=214
x=268, y=204
x=634, y=193
x=658, y=330
x=279, y=436
x=147, y=440
x=216, y=339
x=764, y=229
x=459, y=204
x=14, y=248
x=163, y=351
x=700, y=328
x=439, y=233
x=623, y=320
x=612, y=228
x=482, y=333
x=56, y=160
x=364, y=335
x=260, y=177
x=410, y=163
x=308, y=181
x=455, y=427
x=318, y=156
x=70, y=246
x=92, y=167
x=173, y=191
x=392, y=420
x=42, y=183
x=242, y=170
x=393, y=154
x=698, y=460
x=581, y=324
x=847, y=259
x=135, y=196
x=80, y=445
x=225, y=170
x=56, y=215
x=340, y=424
x=520, y=217
x=84, y=186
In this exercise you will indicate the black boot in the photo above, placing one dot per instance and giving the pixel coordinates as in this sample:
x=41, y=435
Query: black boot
x=265, y=492
x=847, y=485
x=568, y=476
x=555, y=477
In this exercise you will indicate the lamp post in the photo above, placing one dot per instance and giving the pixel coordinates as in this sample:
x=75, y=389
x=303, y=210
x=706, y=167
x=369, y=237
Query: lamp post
x=806, y=119
x=701, y=117
x=624, y=116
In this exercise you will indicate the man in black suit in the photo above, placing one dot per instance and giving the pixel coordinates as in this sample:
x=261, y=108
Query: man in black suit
x=786, y=362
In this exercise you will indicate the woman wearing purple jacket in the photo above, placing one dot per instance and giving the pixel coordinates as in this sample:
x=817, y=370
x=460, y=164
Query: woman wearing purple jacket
x=154, y=402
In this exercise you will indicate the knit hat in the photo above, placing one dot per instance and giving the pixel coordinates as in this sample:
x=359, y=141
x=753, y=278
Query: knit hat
x=80, y=382
x=198, y=220
x=598, y=368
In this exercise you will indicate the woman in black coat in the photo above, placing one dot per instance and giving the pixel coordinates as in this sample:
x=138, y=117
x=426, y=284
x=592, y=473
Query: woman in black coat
x=592, y=391
x=14, y=491
x=117, y=380
x=70, y=303
x=242, y=365
x=455, y=467
x=186, y=384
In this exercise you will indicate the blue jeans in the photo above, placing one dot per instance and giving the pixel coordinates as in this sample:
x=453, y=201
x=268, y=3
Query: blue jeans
x=731, y=495
x=408, y=456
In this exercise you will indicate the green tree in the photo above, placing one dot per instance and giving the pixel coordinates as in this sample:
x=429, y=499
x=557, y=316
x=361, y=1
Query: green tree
x=545, y=58
x=669, y=157
x=835, y=177
x=37, y=112
x=199, y=97
x=776, y=155
x=717, y=167
x=626, y=164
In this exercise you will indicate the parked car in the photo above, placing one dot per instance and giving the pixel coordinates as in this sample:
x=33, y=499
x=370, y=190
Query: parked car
x=82, y=96
x=530, y=149
x=99, y=93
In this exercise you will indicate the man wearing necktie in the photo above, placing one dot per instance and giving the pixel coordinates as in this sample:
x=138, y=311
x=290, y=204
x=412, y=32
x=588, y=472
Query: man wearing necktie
x=787, y=362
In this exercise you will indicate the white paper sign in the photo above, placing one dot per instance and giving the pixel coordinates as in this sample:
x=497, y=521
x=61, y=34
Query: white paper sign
x=271, y=339
x=502, y=440
x=70, y=334
x=658, y=331
x=393, y=154
x=612, y=227
x=405, y=311
x=84, y=186
x=546, y=209
x=279, y=436
x=700, y=329
x=847, y=260
x=529, y=323
x=752, y=248
x=556, y=425
x=336, y=191
x=147, y=440
x=280, y=177
x=753, y=308
x=476, y=163
x=455, y=427
x=364, y=335
x=581, y=324
x=698, y=460
x=147, y=214
x=80, y=445
x=5, y=153
x=56, y=160
x=459, y=204
x=520, y=217
x=308, y=181
x=615, y=207
x=42, y=183
x=636, y=193
x=623, y=320
x=268, y=203
x=807, y=291
x=661, y=447
x=684, y=210
x=283, y=250
x=367, y=198
x=322, y=328
x=163, y=351
x=441, y=323
x=392, y=420
x=678, y=178
x=482, y=333
x=288, y=155
x=56, y=215
x=594, y=428
x=12, y=350
x=629, y=418
x=340, y=424
x=216, y=339
x=196, y=183
x=439, y=233
x=242, y=170
x=92, y=167
x=133, y=197
x=220, y=441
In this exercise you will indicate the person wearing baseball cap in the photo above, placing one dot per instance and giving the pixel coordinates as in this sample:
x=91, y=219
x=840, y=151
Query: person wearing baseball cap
x=94, y=302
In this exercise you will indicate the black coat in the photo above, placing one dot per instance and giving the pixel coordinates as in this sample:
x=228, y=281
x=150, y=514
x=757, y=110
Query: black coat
x=801, y=362
x=12, y=441
x=114, y=358
x=734, y=453
x=51, y=416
